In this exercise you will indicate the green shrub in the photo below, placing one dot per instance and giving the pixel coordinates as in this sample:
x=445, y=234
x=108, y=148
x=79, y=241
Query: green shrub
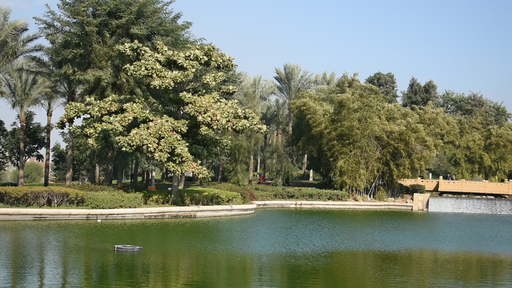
x=41, y=196
x=245, y=192
x=158, y=197
x=94, y=187
x=311, y=194
x=269, y=192
x=416, y=188
x=9, y=176
x=381, y=194
x=34, y=172
x=404, y=189
x=113, y=200
x=209, y=196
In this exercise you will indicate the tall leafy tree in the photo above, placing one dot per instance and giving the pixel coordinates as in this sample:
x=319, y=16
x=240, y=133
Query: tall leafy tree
x=481, y=136
x=21, y=89
x=83, y=36
x=386, y=84
x=367, y=141
x=420, y=95
x=142, y=121
x=34, y=141
x=59, y=162
x=15, y=41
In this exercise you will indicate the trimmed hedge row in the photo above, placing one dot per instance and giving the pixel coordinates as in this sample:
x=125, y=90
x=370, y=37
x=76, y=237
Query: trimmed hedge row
x=194, y=196
x=209, y=196
x=304, y=194
x=41, y=196
x=104, y=197
x=113, y=200
x=56, y=196
x=247, y=195
x=268, y=193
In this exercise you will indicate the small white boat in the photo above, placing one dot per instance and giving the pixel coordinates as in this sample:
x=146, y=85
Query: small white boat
x=127, y=248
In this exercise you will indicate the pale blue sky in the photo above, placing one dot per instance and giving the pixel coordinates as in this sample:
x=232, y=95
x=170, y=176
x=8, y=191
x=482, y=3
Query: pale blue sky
x=462, y=45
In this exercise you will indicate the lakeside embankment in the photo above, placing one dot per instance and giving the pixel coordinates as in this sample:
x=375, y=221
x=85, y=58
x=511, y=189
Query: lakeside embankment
x=186, y=212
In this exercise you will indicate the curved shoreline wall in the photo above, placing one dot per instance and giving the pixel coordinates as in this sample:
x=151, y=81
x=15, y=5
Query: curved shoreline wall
x=470, y=205
x=185, y=212
x=127, y=213
x=334, y=205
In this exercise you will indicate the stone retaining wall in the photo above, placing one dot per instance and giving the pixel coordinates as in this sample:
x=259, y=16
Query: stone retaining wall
x=186, y=212
x=129, y=213
x=334, y=205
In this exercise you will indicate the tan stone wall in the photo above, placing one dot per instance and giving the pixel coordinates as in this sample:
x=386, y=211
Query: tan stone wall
x=420, y=202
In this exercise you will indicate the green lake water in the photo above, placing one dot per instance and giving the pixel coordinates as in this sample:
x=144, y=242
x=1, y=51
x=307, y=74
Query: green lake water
x=271, y=248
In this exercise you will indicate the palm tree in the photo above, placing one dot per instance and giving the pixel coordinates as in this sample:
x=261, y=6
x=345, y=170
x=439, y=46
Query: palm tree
x=324, y=80
x=14, y=42
x=21, y=88
x=290, y=82
x=63, y=87
x=50, y=100
x=57, y=90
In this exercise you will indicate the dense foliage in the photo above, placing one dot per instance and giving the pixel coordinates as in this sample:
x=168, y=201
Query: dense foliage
x=147, y=101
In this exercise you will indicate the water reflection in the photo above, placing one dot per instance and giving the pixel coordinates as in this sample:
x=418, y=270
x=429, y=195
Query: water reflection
x=273, y=248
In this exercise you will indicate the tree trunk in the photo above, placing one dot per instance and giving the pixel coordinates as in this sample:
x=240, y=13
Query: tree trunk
x=182, y=181
x=251, y=163
x=304, y=166
x=110, y=167
x=69, y=159
x=21, y=165
x=136, y=172
x=71, y=97
x=221, y=171
x=119, y=175
x=48, y=147
x=143, y=180
x=175, y=187
x=164, y=172
x=259, y=161
x=97, y=173
x=290, y=124
x=92, y=171
x=264, y=169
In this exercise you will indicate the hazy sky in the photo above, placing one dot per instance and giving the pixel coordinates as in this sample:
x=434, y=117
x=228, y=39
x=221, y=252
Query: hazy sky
x=462, y=45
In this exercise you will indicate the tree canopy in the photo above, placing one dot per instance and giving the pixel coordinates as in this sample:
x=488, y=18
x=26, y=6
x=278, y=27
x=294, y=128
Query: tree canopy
x=141, y=121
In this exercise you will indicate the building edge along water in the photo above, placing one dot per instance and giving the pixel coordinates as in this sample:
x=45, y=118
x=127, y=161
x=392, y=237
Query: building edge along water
x=126, y=213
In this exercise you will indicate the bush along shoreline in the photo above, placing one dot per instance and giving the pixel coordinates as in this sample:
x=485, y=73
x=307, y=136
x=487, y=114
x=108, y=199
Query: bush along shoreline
x=109, y=197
